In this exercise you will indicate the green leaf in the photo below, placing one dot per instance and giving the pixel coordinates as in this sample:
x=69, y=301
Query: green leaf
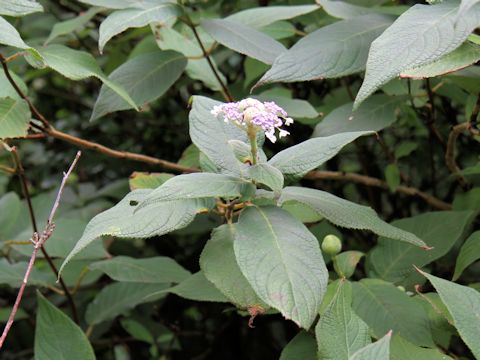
x=302, y=346
x=469, y=253
x=220, y=267
x=393, y=261
x=69, y=26
x=57, y=336
x=268, y=175
x=343, y=10
x=463, y=303
x=159, y=269
x=346, y=262
x=198, y=288
x=262, y=16
x=299, y=159
x=295, y=108
x=377, y=113
x=466, y=55
x=392, y=176
x=13, y=274
x=421, y=35
x=197, y=186
x=117, y=4
x=197, y=67
x=384, y=307
x=121, y=20
x=465, y=6
x=282, y=261
x=347, y=214
x=7, y=90
x=19, y=7
x=401, y=349
x=340, y=332
x=379, y=350
x=14, y=118
x=117, y=298
x=244, y=39
x=9, y=36
x=123, y=221
x=333, y=51
x=145, y=78
x=211, y=135
x=142, y=180
x=78, y=65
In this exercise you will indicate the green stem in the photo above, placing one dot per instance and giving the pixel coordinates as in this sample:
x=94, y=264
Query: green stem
x=252, y=135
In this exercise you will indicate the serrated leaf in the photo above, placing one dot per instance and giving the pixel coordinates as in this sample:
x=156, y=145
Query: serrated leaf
x=469, y=253
x=393, y=261
x=384, y=307
x=264, y=16
x=211, y=135
x=267, y=175
x=57, y=336
x=123, y=221
x=421, y=35
x=347, y=214
x=142, y=180
x=379, y=350
x=159, y=269
x=198, y=288
x=466, y=55
x=340, y=332
x=145, y=78
x=463, y=303
x=114, y=299
x=19, y=7
x=299, y=159
x=121, y=20
x=79, y=65
x=197, y=67
x=346, y=262
x=14, y=118
x=401, y=349
x=333, y=51
x=69, y=26
x=282, y=262
x=377, y=113
x=244, y=39
x=220, y=267
x=302, y=346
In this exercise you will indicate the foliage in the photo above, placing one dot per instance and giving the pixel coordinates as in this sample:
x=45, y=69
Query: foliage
x=261, y=179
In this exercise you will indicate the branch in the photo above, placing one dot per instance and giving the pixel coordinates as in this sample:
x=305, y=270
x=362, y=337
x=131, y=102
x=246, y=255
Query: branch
x=38, y=241
x=374, y=182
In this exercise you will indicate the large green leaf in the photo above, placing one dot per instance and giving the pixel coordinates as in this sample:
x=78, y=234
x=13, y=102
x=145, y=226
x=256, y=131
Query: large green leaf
x=343, y=9
x=6, y=88
x=123, y=221
x=9, y=36
x=333, y=51
x=114, y=299
x=384, y=307
x=379, y=350
x=340, y=332
x=57, y=336
x=419, y=36
x=266, y=15
x=299, y=159
x=463, y=303
x=377, y=113
x=145, y=78
x=159, y=269
x=121, y=20
x=14, y=118
x=220, y=267
x=302, y=346
x=78, y=65
x=198, y=288
x=465, y=6
x=469, y=253
x=211, y=135
x=347, y=214
x=393, y=261
x=19, y=7
x=466, y=55
x=69, y=26
x=282, y=261
x=244, y=39
x=401, y=349
x=198, y=67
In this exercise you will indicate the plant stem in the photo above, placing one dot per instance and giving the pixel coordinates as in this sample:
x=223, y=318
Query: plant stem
x=252, y=136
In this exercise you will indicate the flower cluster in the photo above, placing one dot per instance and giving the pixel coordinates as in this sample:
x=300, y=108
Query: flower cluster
x=266, y=115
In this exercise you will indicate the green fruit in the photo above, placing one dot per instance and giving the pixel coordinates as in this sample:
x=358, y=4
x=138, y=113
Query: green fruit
x=331, y=245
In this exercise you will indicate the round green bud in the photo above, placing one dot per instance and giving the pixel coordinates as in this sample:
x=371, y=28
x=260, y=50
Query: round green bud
x=331, y=245
x=400, y=287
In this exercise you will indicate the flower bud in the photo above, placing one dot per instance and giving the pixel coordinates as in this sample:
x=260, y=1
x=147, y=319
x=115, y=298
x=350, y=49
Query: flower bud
x=331, y=245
